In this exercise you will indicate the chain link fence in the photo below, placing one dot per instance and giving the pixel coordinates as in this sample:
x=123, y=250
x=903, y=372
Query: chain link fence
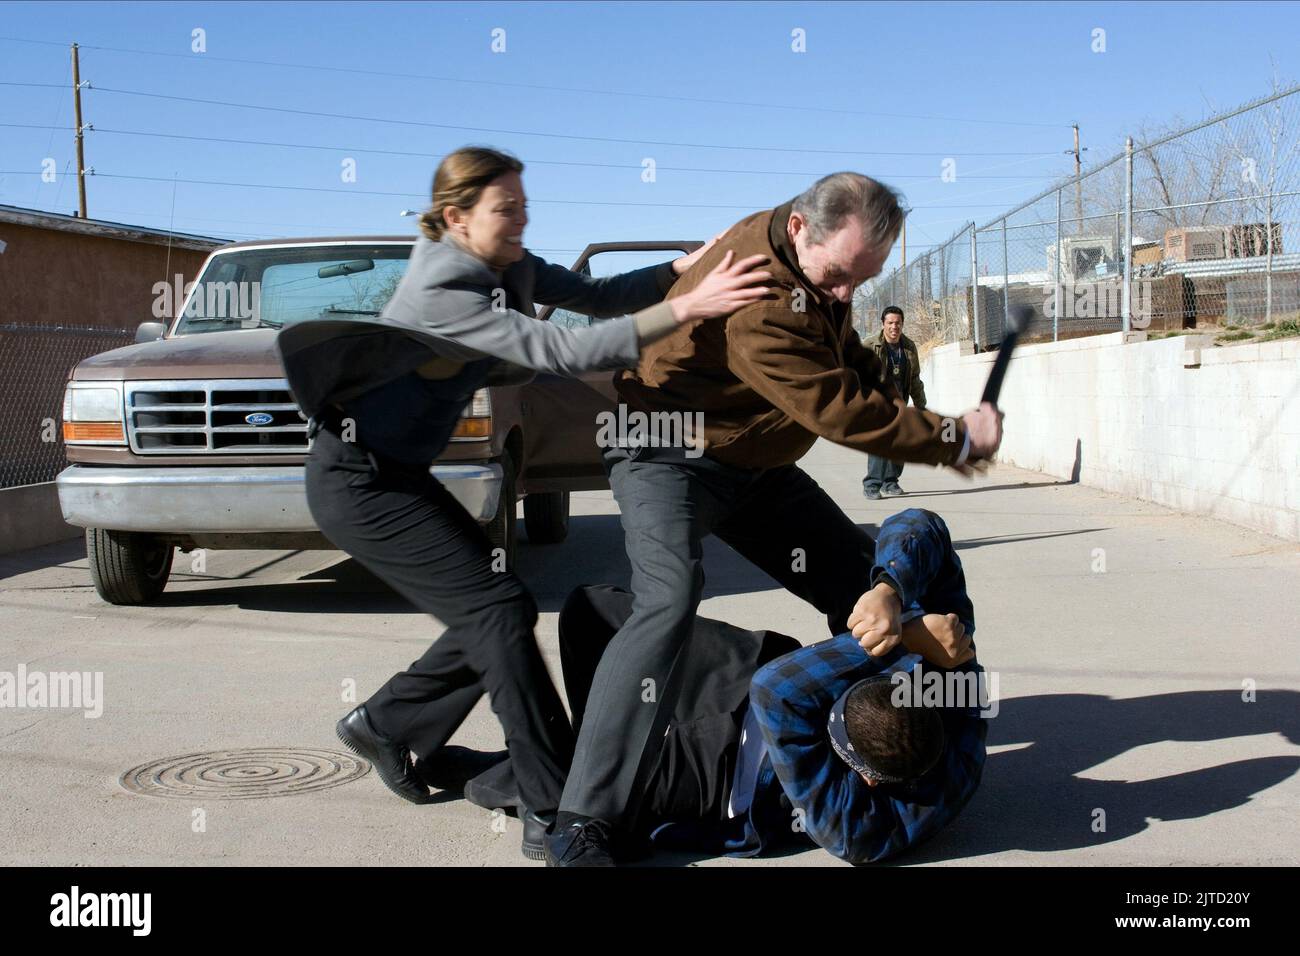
x=934, y=293
x=1193, y=229
x=36, y=361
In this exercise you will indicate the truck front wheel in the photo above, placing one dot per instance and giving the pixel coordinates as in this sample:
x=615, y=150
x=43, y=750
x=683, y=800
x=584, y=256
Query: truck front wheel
x=546, y=516
x=128, y=567
x=501, y=530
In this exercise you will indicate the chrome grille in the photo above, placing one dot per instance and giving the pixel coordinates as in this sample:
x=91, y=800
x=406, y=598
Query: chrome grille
x=211, y=417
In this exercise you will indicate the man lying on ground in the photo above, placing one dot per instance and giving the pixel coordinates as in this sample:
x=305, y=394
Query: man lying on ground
x=773, y=744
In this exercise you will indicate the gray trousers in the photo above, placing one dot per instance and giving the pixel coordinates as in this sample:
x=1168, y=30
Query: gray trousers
x=778, y=518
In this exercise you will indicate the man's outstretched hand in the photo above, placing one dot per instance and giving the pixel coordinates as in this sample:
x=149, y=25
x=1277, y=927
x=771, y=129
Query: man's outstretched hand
x=875, y=620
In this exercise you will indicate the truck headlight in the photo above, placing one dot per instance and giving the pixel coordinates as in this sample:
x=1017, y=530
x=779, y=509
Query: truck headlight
x=476, y=421
x=92, y=414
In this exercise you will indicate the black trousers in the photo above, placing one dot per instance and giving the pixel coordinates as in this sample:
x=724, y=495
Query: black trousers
x=777, y=518
x=692, y=778
x=404, y=527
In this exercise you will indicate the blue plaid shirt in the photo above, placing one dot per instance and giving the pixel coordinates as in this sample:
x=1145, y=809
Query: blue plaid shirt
x=803, y=786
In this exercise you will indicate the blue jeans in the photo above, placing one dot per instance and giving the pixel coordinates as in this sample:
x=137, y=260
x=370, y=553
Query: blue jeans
x=881, y=471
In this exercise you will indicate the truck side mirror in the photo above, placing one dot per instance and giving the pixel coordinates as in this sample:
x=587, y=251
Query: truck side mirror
x=150, y=331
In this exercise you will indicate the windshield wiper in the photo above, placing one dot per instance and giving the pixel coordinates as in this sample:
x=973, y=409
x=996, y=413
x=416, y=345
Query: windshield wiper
x=351, y=311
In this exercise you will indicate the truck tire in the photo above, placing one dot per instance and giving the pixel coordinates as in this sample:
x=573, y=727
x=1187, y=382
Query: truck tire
x=126, y=566
x=546, y=516
x=501, y=529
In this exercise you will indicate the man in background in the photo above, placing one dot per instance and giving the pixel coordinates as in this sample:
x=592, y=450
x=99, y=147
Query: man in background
x=902, y=369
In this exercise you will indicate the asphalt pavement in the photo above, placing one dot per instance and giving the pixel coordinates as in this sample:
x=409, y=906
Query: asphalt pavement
x=1146, y=662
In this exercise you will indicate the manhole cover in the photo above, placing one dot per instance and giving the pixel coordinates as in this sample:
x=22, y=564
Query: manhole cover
x=244, y=774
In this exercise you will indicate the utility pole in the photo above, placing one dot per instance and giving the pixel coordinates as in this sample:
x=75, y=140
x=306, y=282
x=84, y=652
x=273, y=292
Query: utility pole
x=81, y=156
x=1078, y=182
x=904, y=242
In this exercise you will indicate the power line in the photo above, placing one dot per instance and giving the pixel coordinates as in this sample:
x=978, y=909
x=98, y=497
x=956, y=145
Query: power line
x=58, y=113
x=753, y=207
x=552, y=89
x=532, y=162
x=509, y=132
x=375, y=192
x=327, y=228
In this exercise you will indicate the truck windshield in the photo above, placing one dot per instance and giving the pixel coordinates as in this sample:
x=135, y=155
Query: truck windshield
x=275, y=286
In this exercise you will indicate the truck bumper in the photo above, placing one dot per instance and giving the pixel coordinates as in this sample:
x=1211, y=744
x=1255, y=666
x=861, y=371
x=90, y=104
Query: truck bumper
x=232, y=500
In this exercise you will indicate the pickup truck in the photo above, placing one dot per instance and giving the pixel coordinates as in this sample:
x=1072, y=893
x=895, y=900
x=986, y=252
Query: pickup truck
x=190, y=438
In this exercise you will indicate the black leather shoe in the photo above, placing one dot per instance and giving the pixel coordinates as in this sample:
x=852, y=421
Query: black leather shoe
x=391, y=760
x=495, y=789
x=584, y=842
x=535, y=830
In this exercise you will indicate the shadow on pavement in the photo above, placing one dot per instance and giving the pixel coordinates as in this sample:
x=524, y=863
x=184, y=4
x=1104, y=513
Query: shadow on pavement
x=48, y=555
x=592, y=554
x=1020, y=485
x=969, y=543
x=1034, y=798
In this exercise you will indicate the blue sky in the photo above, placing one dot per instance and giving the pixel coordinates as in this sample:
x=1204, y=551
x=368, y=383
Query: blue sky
x=993, y=86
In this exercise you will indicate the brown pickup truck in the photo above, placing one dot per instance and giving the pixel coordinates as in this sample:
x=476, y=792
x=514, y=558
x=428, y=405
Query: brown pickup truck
x=190, y=439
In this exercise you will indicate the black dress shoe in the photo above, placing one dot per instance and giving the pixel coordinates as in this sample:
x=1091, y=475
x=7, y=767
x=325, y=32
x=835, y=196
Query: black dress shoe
x=535, y=829
x=584, y=842
x=496, y=789
x=391, y=760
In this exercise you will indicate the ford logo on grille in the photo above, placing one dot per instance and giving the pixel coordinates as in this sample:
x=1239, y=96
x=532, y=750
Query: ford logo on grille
x=259, y=418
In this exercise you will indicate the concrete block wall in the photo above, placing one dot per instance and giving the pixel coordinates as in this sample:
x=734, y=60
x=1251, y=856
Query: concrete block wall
x=1214, y=431
x=30, y=516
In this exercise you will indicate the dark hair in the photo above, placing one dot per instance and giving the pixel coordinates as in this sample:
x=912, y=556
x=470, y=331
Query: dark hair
x=460, y=180
x=902, y=742
x=829, y=201
x=891, y=310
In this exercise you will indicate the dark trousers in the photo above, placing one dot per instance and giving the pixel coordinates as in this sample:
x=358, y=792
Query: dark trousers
x=778, y=518
x=881, y=471
x=692, y=779
x=404, y=527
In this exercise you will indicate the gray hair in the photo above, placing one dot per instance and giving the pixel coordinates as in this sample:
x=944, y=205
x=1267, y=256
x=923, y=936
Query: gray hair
x=826, y=203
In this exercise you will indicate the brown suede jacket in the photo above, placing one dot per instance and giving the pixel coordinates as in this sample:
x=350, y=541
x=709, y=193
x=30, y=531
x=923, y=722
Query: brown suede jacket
x=776, y=375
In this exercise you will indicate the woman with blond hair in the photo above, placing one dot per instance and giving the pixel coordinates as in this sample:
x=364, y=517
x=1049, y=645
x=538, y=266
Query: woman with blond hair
x=462, y=317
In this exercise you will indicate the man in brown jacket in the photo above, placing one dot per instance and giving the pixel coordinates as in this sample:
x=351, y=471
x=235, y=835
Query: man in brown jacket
x=901, y=362
x=767, y=382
